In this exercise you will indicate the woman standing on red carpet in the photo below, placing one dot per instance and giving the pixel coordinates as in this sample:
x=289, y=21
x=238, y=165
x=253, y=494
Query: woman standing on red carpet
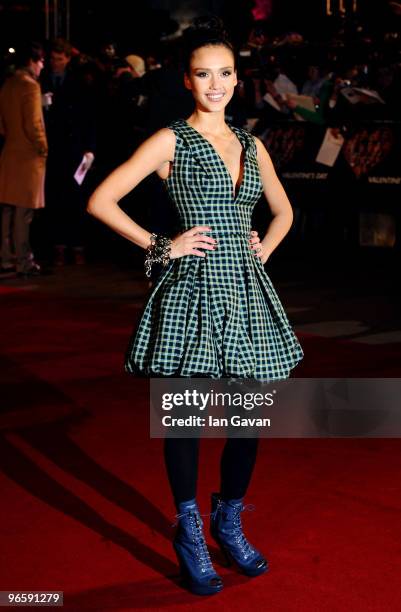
x=213, y=311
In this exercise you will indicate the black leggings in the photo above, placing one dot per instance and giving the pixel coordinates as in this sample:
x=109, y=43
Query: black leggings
x=236, y=466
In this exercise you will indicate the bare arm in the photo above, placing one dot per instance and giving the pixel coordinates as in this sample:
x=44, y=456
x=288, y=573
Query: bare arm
x=152, y=155
x=278, y=202
x=103, y=204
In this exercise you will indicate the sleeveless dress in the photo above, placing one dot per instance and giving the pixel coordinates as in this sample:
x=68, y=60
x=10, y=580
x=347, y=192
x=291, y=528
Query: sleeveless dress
x=219, y=315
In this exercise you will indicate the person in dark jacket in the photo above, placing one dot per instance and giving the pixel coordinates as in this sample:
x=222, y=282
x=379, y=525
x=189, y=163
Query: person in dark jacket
x=70, y=128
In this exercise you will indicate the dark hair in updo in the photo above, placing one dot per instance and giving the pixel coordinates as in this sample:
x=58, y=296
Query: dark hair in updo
x=203, y=32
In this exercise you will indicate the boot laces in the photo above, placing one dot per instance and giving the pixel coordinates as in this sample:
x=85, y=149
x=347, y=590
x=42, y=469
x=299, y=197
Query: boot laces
x=198, y=539
x=244, y=545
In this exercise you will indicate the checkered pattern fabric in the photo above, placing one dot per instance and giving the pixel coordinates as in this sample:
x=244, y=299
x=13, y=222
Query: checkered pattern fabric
x=217, y=316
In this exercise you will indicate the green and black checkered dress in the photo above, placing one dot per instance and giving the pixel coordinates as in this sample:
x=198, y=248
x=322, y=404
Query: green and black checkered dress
x=216, y=316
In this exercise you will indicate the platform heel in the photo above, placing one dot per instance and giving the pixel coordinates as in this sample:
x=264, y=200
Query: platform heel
x=226, y=530
x=192, y=553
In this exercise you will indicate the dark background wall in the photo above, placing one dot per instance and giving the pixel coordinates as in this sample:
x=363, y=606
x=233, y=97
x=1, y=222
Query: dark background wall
x=136, y=23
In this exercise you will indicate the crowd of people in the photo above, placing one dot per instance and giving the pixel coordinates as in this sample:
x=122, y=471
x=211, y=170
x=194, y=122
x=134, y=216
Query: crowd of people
x=68, y=118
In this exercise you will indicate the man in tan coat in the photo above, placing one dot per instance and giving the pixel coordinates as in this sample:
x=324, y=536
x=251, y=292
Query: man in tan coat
x=23, y=159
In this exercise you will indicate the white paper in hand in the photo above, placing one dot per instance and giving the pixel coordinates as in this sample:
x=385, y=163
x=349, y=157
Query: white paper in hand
x=330, y=148
x=83, y=167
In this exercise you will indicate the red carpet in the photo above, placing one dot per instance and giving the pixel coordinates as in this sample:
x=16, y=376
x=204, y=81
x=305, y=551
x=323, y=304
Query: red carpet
x=86, y=507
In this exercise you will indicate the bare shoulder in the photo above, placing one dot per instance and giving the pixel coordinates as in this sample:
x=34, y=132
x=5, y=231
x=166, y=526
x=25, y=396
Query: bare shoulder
x=161, y=144
x=165, y=136
x=153, y=155
x=265, y=162
x=262, y=153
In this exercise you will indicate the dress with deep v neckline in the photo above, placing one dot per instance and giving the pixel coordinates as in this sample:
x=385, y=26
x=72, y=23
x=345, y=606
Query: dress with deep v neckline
x=217, y=315
x=236, y=186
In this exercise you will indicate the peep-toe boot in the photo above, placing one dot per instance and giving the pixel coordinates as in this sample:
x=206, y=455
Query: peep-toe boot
x=226, y=529
x=192, y=552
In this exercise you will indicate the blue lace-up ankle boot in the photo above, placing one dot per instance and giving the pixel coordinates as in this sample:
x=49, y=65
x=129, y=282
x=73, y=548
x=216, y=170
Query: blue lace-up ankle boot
x=192, y=553
x=226, y=529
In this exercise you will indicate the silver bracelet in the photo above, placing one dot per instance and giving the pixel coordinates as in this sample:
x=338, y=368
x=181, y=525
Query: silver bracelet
x=157, y=252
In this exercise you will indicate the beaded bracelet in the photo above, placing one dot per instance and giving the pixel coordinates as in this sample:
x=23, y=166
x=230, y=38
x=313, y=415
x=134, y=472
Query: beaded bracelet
x=157, y=252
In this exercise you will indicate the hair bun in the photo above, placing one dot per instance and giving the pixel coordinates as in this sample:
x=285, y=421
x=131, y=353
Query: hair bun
x=209, y=23
x=205, y=31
